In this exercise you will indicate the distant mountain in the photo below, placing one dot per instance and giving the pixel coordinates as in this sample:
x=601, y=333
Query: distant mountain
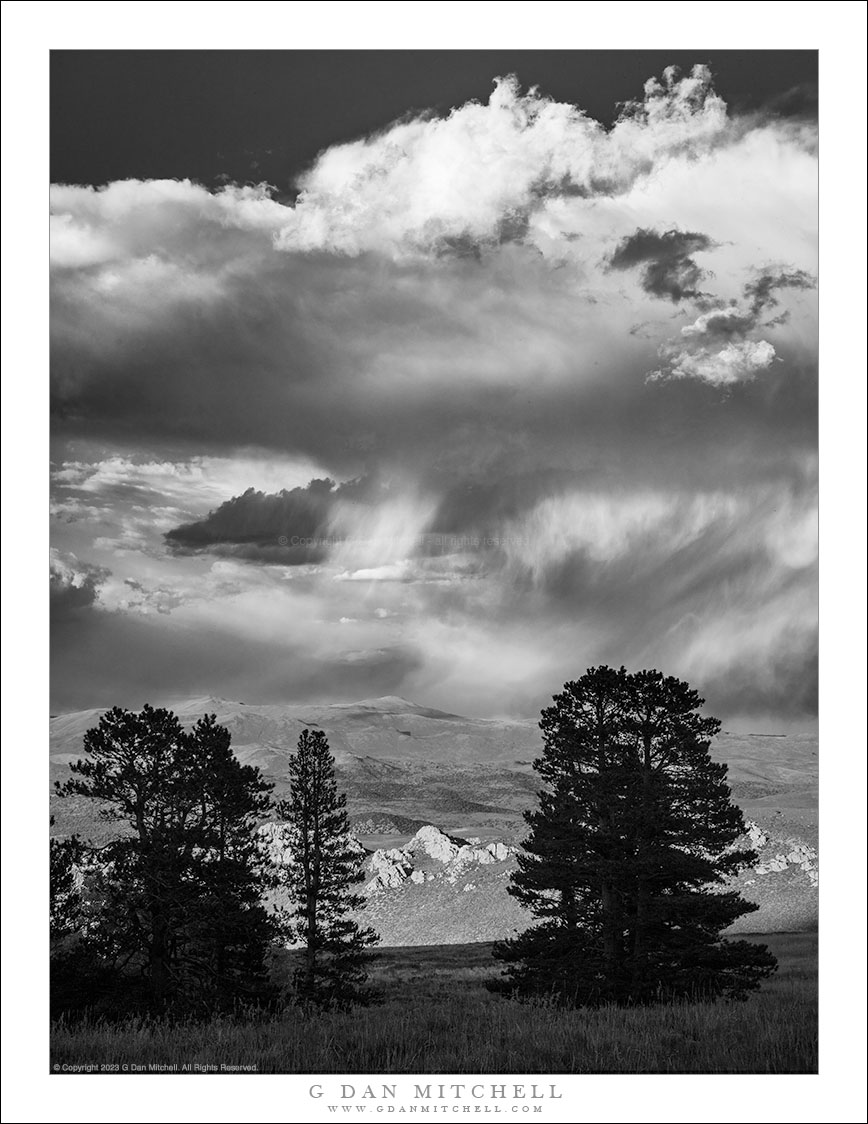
x=389, y=727
x=403, y=766
x=393, y=757
x=399, y=758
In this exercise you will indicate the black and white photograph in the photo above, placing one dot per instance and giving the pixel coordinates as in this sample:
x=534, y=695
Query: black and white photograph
x=433, y=633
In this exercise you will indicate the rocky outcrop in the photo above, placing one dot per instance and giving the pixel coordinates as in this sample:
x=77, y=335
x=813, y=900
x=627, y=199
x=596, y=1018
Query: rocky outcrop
x=476, y=855
x=274, y=839
x=779, y=855
x=756, y=836
x=439, y=888
x=434, y=843
x=388, y=869
x=431, y=854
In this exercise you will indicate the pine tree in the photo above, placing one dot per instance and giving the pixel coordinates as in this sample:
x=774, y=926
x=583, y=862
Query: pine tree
x=628, y=851
x=176, y=897
x=319, y=881
x=65, y=899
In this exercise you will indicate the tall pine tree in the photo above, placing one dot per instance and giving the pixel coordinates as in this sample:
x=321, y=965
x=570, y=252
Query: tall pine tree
x=319, y=881
x=176, y=896
x=629, y=851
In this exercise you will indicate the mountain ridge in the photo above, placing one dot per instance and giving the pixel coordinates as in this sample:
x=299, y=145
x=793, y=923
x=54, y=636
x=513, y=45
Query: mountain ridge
x=391, y=727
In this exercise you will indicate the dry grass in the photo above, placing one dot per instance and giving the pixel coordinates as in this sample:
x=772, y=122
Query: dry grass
x=437, y=1017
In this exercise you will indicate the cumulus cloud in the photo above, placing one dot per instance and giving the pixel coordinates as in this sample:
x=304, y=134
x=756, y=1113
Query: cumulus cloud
x=187, y=320
x=477, y=176
x=734, y=362
x=230, y=318
x=92, y=226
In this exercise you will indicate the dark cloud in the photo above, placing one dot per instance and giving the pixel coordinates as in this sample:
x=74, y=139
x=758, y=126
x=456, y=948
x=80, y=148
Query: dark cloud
x=761, y=291
x=668, y=269
x=290, y=526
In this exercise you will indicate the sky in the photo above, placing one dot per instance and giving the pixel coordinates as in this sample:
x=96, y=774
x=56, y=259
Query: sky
x=445, y=375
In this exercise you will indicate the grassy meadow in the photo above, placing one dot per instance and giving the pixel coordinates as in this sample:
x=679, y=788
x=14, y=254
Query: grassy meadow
x=436, y=1016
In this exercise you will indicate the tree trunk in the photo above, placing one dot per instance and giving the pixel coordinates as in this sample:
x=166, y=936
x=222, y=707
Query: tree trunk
x=645, y=839
x=310, y=953
x=158, y=956
x=312, y=847
x=610, y=934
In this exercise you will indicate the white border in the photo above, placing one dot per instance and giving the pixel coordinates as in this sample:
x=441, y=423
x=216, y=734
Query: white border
x=838, y=31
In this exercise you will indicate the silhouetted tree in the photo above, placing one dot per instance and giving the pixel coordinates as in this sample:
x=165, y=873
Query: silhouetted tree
x=175, y=899
x=627, y=853
x=64, y=889
x=79, y=978
x=319, y=882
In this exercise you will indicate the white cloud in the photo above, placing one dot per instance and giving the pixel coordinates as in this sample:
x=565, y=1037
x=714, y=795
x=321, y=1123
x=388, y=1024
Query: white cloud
x=734, y=362
x=420, y=185
x=188, y=487
x=167, y=296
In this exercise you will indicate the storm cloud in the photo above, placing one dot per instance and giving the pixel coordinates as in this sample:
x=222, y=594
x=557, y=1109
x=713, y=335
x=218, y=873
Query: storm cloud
x=398, y=435
x=290, y=525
